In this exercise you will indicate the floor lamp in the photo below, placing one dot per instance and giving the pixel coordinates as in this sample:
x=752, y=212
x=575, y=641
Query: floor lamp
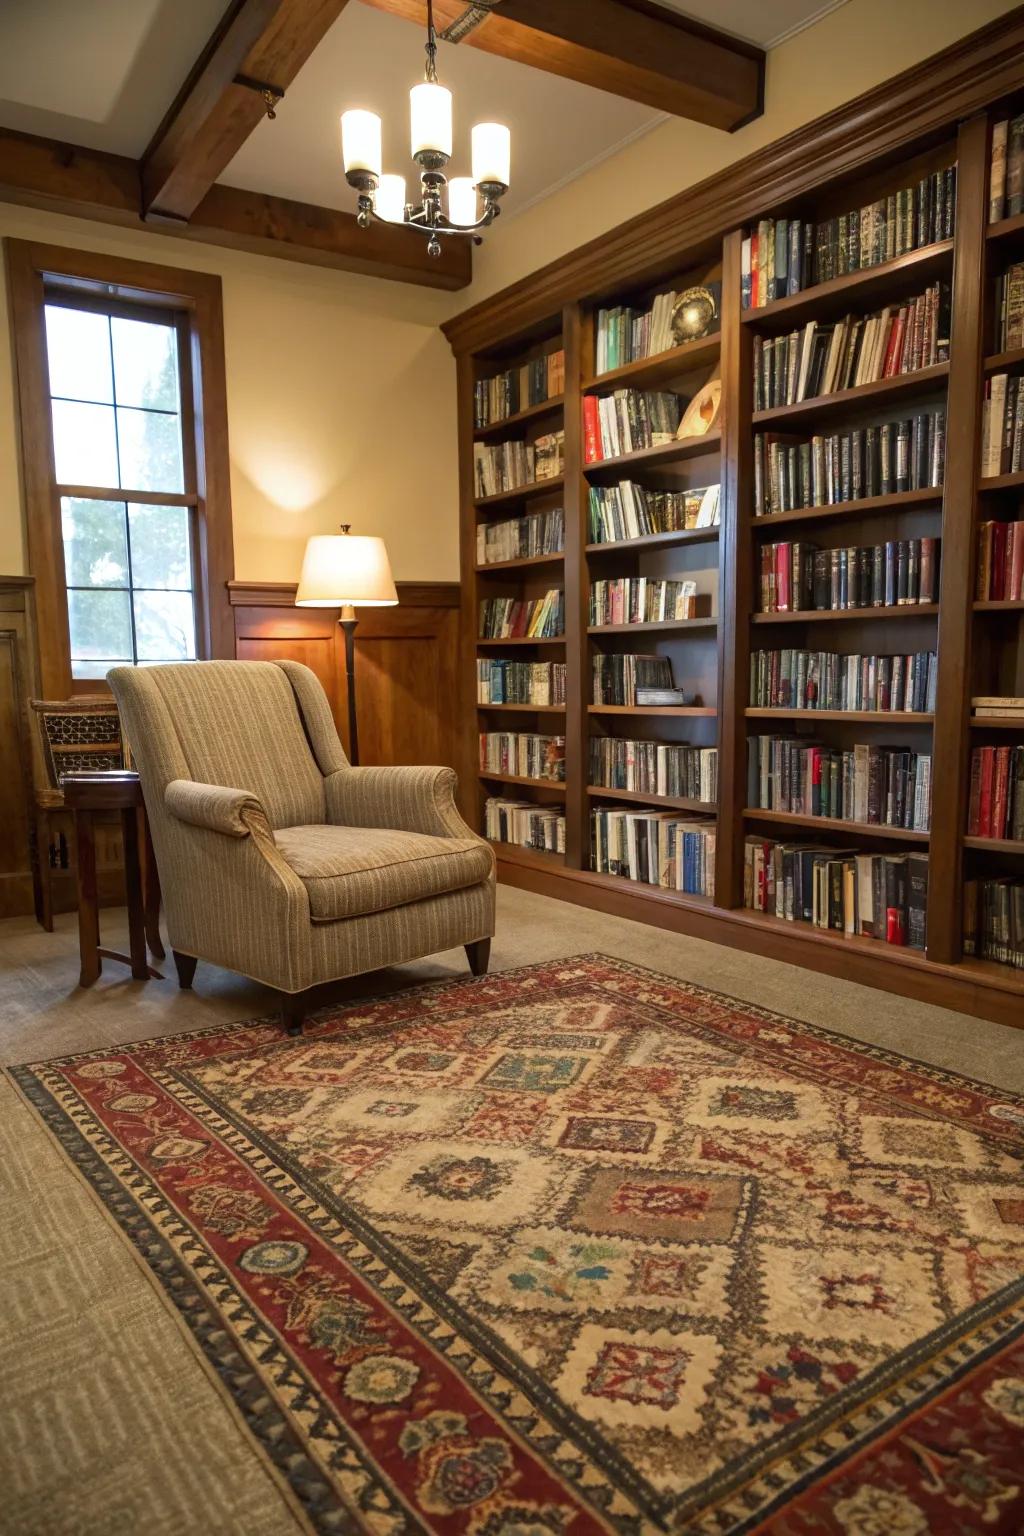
x=347, y=571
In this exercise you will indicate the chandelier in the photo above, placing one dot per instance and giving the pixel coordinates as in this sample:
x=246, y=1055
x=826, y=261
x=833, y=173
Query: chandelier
x=383, y=197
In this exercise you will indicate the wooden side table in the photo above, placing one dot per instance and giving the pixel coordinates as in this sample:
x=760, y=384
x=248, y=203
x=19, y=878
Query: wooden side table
x=85, y=794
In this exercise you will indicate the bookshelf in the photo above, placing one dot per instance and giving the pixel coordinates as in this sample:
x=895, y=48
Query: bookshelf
x=979, y=643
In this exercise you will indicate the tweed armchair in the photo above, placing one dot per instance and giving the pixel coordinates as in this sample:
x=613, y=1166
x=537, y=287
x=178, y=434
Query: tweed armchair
x=277, y=858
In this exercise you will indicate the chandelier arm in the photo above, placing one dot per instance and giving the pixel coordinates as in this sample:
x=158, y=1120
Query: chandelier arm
x=414, y=220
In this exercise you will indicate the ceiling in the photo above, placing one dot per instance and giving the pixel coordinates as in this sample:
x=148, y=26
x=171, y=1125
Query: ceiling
x=102, y=74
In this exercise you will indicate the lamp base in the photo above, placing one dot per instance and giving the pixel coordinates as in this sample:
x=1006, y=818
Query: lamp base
x=348, y=622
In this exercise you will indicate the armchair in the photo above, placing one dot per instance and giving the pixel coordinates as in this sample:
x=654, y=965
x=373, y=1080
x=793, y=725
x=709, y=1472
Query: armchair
x=277, y=858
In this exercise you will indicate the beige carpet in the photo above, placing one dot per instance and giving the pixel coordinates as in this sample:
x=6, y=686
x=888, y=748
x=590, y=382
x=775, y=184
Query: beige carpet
x=108, y=1420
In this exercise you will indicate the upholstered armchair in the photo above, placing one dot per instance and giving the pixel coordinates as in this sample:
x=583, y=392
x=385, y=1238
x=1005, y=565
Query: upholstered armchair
x=277, y=858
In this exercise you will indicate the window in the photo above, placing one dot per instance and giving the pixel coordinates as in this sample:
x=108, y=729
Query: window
x=116, y=409
x=125, y=466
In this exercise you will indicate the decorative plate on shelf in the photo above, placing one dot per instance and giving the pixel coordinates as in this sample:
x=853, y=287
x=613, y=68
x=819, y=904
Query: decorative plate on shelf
x=702, y=412
x=694, y=312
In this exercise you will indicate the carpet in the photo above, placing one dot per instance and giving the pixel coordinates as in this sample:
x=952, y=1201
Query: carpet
x=580, y=1248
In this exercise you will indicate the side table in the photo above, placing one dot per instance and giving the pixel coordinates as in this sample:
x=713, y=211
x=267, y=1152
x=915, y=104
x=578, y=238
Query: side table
x=85, y=794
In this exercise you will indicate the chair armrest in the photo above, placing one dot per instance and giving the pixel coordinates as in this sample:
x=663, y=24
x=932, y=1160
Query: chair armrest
x=212, y=806
x=411, y=799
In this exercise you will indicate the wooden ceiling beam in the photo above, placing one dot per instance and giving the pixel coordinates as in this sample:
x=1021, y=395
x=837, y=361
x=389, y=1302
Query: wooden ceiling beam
x=264, y=42
x=41, y=173
x=631, y=48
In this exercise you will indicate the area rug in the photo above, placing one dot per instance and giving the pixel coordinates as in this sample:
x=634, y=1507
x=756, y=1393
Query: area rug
x=580, y=1248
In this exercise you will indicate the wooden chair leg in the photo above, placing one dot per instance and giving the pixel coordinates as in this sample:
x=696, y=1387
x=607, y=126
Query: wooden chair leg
x=88, y=900
x=293, y=1011
x=43, y=874
x=186, y=968
x=479, y=956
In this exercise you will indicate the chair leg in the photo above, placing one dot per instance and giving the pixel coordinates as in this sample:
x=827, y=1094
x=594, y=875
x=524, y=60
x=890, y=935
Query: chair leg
x=186, y=968
x=479, y=954
x=293, y=1011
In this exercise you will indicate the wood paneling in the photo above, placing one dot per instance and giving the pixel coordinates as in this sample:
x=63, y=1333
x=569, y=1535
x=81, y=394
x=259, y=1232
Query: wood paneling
x=17, y=685
x=407, y=674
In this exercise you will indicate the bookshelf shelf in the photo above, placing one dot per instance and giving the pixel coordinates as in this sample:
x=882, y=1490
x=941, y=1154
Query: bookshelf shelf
x=650, y=541
x=825, y=300
x=549, y=407
x=659, y=626
x=648, y=371
x=978, y=644
x=482, y=640
x=492, y=566
x=665, y=802
x=662, y=453
x=901, y=501
x=672, y=711
x=999, y=605
x=556, y=786
x=830, y=824
x=878, y=392
x=520, y=493
x=860, y=716
x=812, y=615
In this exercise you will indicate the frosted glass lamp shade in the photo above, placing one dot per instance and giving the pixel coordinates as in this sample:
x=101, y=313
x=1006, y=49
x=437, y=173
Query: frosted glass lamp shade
x=430, y=110
x=360, y=141
x=390, y=200
x=345, y=568
x=462, y=200
x=492, y=153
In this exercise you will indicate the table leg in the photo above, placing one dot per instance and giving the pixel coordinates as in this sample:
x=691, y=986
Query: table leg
x=88, y=900
x=133, y=894
x=151, y=893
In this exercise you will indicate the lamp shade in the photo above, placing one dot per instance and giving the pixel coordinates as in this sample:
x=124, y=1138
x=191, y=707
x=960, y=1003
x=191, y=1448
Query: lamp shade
x=345, y=568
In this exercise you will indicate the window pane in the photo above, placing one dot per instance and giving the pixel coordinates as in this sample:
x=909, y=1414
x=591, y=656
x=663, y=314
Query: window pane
x=145, y=364
x=78, y=348
x=100, y=626
x=165, y=626
x=95, y=546
x=84, y=670
x=150, y=448
x=160, y=546
x=84, y=444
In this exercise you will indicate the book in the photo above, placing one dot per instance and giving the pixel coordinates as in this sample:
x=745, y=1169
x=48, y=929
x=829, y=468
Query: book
x=506, y=394
x=509, y=618
x=880, y=459
x=646, y=600
x=525, y=754
x=876, y=785
x=629, y=420
x=798, y=679
x=878, y=896
x=632, y=511
x=520, y=538
x=997, y=172
x=655, y=848
x=503, y=681
x=655, y=768
x=524, y=823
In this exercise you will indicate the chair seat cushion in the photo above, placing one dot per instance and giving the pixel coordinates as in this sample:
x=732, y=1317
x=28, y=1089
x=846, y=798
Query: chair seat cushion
x=348, y=871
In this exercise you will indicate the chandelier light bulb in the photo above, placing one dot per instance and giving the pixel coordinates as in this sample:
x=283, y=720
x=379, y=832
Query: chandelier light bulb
x=360, y=141
x=430, y=110
x=462, y=200
x=390, y=199
x=492, y=153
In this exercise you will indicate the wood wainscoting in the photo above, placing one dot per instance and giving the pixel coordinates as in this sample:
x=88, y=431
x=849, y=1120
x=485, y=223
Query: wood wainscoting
x=406, y=663
x=17, y=685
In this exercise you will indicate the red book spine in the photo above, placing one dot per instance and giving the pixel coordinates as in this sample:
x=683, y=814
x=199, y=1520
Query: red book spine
x=927, y=573
x=974, y=798
x=988, y=764
x=591, y=432
x=1001, y=779
x=893, y=350
x=1016, y=584
x=895, y=932
x=999, y=542
x=783, y=558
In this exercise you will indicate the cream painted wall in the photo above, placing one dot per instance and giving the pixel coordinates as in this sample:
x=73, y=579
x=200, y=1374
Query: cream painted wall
x=853, y=48
x=341, y=405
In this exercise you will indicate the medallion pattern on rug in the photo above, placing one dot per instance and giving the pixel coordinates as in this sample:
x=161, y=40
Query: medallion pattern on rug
x=581, y=1248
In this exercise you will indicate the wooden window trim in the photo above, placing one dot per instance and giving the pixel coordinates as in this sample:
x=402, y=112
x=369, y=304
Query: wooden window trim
x=197, y=295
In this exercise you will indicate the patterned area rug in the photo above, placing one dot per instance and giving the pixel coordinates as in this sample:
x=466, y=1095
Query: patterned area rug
x=580, y=1248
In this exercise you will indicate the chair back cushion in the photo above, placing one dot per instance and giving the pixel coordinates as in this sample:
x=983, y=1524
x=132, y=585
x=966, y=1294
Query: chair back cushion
x=233, y=723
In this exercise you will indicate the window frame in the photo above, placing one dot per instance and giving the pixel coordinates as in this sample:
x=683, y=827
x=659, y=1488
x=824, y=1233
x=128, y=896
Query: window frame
x=36, y=273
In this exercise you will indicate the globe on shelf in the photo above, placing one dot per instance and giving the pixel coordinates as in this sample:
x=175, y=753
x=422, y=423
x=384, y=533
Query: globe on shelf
x=693, y=313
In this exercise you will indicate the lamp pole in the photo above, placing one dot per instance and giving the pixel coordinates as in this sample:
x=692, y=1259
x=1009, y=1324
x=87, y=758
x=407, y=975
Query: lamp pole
x=348, y=622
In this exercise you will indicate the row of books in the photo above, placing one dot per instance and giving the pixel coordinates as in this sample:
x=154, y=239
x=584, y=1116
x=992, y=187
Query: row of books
x=798, y=577
x=996, y=801
x=631, y=511
x=655, y=768
x=998, y=707
x=798, y=679
x=877, y=896
x=515, y=618
x=1000, y=573
x=507, y=393
x=1009, y=309
x=627, y=420
x=617, y=677
x=822, y=359
x=500, y=681
x=879, y=786
x=1006, y=169
x=824, y=471
x=502, y=467
x=1002, y=426
x=994, y=920
x=645, y=600
x=783, y=256
x=526, y=754
x=655, y=847
x=524, y=823
x=518, y=538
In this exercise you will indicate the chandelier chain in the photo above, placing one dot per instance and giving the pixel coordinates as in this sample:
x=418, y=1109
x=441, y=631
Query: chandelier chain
x=431, y=49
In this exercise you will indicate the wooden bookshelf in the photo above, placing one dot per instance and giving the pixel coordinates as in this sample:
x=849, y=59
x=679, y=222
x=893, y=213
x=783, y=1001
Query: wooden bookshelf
x=550, y=407
x=555, y=786
x=936, y=114
x=654, y=626
x=548, y=487
x=522, y=564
